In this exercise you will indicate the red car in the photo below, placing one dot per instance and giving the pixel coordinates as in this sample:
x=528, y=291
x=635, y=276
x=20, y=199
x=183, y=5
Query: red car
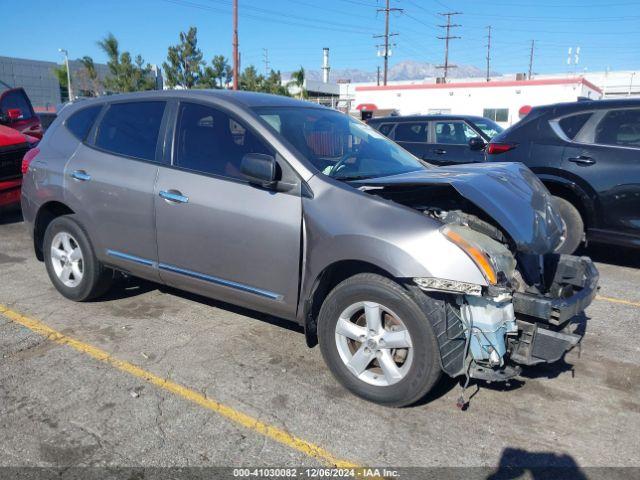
x=13, y=147
x=17, y=112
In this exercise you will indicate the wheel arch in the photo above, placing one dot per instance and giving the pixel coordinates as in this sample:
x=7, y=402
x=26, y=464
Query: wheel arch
x=46, y=214
x=326, y=281
x=573, y=194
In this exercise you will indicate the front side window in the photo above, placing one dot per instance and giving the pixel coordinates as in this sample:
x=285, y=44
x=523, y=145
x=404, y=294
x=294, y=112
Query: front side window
x=81, y=122
x=488, y=127
x=454, y=133
x=16, y=100
x=337, y=144
x=496, y=114
x=573, y=124
x=411, y=132
x=210, y=141
x=619, y=127
x=131, y=129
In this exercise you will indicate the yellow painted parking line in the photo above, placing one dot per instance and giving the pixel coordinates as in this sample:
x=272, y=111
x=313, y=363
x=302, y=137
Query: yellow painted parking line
x=618, y=300
x=279, y=435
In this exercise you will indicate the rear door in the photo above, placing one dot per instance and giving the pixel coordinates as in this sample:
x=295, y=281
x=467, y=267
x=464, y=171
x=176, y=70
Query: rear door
x=450, y=143
x=110, y=181
x=217, y=234
x=605, y=154
x=413, y=136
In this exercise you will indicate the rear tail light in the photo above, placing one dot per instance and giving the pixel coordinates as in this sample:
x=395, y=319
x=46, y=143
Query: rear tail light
x=497, y=148
x=28, y=158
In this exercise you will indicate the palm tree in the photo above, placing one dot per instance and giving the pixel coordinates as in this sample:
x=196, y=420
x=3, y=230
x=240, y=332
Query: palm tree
x=297, y=81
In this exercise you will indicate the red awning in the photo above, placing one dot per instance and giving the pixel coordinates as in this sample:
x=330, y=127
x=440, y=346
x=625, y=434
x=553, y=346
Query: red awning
x=369, y=107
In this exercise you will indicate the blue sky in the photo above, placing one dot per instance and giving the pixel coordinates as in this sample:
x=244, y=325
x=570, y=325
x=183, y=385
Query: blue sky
x=294, y=31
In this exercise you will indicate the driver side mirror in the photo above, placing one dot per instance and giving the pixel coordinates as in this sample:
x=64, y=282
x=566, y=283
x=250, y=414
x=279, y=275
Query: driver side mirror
x=260, y=169
x=476, y=143
x=14, y=114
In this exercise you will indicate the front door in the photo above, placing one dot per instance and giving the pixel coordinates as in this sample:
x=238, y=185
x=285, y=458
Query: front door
x=217, y=234
x=451, y=143
x=111, y=185
x=606, y=155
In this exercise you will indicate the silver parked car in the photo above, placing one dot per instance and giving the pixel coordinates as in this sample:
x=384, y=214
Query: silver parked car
x=400, y=270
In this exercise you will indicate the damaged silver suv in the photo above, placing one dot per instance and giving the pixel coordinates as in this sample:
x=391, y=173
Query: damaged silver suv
x=401, y=271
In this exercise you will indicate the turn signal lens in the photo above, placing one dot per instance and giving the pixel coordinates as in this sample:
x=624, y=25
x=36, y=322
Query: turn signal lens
x=477, y=255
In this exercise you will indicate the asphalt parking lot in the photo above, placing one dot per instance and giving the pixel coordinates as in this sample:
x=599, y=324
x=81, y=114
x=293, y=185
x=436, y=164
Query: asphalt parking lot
x=193, y=382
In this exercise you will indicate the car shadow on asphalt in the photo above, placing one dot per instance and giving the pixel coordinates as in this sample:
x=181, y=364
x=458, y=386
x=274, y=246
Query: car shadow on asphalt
x=611, y=254
x=127, y=287
x=519, y=463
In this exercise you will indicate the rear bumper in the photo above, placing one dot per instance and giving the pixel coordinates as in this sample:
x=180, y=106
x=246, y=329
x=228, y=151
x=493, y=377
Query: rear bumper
x=10, y=192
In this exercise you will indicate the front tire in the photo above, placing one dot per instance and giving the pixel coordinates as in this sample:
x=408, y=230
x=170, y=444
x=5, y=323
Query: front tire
x=377, y=341
x=71, y=262
x=574, y=226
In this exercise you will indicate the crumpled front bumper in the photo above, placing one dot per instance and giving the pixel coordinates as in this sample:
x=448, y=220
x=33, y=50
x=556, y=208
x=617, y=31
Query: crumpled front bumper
x=545, y=329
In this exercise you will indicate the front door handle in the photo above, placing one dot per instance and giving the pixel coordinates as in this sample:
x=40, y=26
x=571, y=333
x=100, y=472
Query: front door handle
x=81, y=175
x=440, y=151
x=582, y=160
x=173, y=196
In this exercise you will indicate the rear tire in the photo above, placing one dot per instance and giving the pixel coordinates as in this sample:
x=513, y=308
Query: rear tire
x=400, y=356
x=574, y=225
x=71, y=262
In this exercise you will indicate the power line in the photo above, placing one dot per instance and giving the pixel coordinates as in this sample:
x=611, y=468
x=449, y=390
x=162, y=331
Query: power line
x=446, y=39
x=385, y=53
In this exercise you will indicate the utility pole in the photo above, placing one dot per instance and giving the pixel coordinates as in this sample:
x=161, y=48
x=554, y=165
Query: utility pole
x=66, y=63
x=446, y=39
x=489, y=54
x=378, y=76
x=385, y=53
x=265, y=54
x=533, y=46
x=236, y=59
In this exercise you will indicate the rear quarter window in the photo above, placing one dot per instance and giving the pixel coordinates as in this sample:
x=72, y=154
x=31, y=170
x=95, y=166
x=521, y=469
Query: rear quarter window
x=131, y=129
x=81, y=121
x=571, y=125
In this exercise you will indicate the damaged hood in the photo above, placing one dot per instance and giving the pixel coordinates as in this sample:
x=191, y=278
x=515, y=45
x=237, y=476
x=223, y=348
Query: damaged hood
x=508, y=192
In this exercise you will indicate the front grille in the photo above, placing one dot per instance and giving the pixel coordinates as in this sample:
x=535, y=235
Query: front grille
x=11, y=162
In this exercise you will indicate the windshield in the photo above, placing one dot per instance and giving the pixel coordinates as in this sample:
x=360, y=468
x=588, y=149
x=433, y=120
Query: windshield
x=488, y=127
x=338, y=145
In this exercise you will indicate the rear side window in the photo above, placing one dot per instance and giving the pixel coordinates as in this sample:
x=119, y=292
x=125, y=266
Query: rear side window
x=411, y=132
x=131, y=129
x=16, y=100
x=573, y=124
x=386, y=128
x=210, y=141
x=81, y=122
x=619, y=127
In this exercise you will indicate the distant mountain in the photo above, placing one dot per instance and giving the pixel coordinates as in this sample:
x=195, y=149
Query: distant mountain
x=406, y=70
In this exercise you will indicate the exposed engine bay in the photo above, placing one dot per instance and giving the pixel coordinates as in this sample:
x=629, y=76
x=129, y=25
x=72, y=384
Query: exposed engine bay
x=524, y=315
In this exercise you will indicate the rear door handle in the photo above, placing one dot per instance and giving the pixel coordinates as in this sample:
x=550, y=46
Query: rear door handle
x=81, y=175
x=582, y=160
x=173, y=196
x=439, y=151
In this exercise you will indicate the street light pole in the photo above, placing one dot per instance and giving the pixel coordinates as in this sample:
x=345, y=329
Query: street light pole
x=66, y=62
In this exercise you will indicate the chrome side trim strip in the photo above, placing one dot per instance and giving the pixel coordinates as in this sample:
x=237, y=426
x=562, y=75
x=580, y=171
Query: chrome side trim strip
x=132, y=258
x=220, y=281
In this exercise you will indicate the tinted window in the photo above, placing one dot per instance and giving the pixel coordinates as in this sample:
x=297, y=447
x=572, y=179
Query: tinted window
x=210, y=141
x=16, y=99
x=454, y=133
x=619, y=127
x=81, y=122
x=386, y=128
x=496, y=114
x=572, y=125
x=411, y=132
x=489, y=128
x=131, y=129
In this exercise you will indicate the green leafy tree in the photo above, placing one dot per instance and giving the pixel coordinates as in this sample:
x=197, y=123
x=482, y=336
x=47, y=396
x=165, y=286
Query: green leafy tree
x=273, y=84
x=215, y=75
x=183, y=67
x=251, y=80
x=89, y=77
x=297, y=81
x=60, y=73
x=125, y=74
